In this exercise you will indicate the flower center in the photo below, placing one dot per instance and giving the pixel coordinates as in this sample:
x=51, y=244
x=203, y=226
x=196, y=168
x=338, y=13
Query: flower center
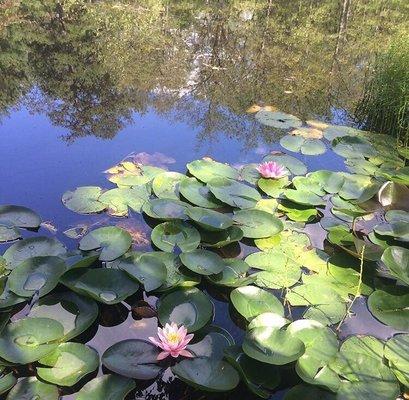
x=173, y=337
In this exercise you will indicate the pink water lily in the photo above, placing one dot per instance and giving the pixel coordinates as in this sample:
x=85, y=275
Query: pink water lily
x=173, y=341
x=271, y=169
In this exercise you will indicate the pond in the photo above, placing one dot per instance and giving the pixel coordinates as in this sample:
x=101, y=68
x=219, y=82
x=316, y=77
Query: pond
x=101, y=100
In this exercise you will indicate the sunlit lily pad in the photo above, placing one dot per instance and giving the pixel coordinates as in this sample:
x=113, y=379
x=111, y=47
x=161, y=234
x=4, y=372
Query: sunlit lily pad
x=31, y=388
x=84, y=200
x=112, y=387
x=36, y=275
x=221, y=238
x=304, y=197
x=68, y=364
x=109, y=286
x=188, y=307
x=167, y=235
x=166, y=185
x=234, y=193
x=351, y=146
x=207, y=374
x=207, y=169
x=273, y=187
x=198, y=193
x=299, y=144
x=7, y=382
x=298, y=212
x=75, y=313
x=32, y=247
x=29, y=339
x=397, y=260
x=203, y=262
x=278, y=119
x=209, y=219
x=397, y=353
x=295, y=166
x=257, y=223
x=119, y=200
x=133, y=358
x=336, y=131
x=111, y=240
x=149, y=271
x=251, y=301
x=166, y=209
x=358, y=187
x=136, y=175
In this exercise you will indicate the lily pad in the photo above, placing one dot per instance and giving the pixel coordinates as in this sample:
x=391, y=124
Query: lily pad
x=166, y=185
x=257, y=223
x=18, y=216
x=251, y=301
x=234, y=274
x=111, y=240
x=396, y=351
x=203, y=262
x=32, y=247
x=305, y=146
x=304, y=197
x=167, y=235
x=108, y=286
x=221, y=238
x=31, y=388
x=298, y=212
x=295, y=166
x=207, y=374
x=29, y=339
x=397, y=225
x=198, y=193
x=209, y=219
x=68, y=364
x=8, y=234
x=36, y=275
x=273, y=187
x=278, y=119
x=119, y=200
x=112, y=387
x=308, y=392
x=7, y=382
x=397, y=260
x=351, y=146
x=84, y=200
x=188, y=307
x=207, y=169
x=134, y=174
x=133, y=358
x=166, y=209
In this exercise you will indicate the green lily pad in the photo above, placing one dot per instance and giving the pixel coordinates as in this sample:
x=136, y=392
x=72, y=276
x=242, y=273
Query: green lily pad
x=205, y=170
x=260, y=378
x=167, y=235
x=8, y=234
x=119, y=200
x=397, y=225
x=7, y=297
x=249, y=173
x=32, y=247
x=278, y=119
x=304, y=197
x=31, y=388
x=207, y=374
x=147, y=270
x=396, y=351
x=136, y=175
x=303, y=145
x=209, y=219
x=198, y=193
x=337, y=131
x=75, y=313
x=112, y=387
x=203, y=262
x=166, y=185
x=221, y=238
x=29, y=339
x=84, y=200
x=359, y=188
x=233, y=193
x=7, y=382
x=295, y=166
x=251, y=301
x=308, y=392
x=108, y=286
x=112, y=241
x=234, y=274
x=397, y=260
x=257, y=223
x=68, y=364
x=18, y=216
x=166, y=209
x=273, y=187
x=298, y=212
x=390, y=309
x=350, y=146
x=37, y=274
x=375, y=390
x=133, y=358
x=188, y=307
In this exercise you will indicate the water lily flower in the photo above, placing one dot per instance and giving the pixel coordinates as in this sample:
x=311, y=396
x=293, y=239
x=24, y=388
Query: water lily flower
x=173, y=341
x=271, y=169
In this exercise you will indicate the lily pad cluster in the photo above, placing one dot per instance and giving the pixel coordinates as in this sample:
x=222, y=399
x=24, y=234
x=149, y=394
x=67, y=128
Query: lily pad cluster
x=218, y=228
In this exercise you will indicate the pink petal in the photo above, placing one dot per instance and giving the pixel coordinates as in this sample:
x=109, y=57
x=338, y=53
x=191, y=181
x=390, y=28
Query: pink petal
x=175, y=354
x=162, y=355
x=186, y=353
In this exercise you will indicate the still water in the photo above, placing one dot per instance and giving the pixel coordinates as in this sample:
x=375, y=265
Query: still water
x=83, y=84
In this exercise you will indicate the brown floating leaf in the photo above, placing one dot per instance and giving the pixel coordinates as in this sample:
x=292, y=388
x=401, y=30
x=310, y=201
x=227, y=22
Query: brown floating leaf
x=77, y=232
x=49, y=226
x=308, y=133
x=143, y=310
x=317, y=124
x=139, y=237
x=253, y=109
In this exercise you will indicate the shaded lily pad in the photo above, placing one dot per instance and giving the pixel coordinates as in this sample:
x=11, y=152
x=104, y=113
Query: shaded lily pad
x=29, y=339
x=221, y=238
x=203, y=262
x=166, y=209
x=8, y=234
x=234, y=274
x=166, y=185
x=31, y=388
x=68, y=364
x=278, y=119
x=207, y=374
x=111, y=240
x=40, y=246
x=188, y=307
x=112, y=387
x=7, y=382
x=133, y=358
x=351, y=146
x=397, y=260
x=308, y=392
x=251, y=301
x=18, y=216
x=298, y=212
x=396, y=351
x=119, y=200
x=198, y=193
x=84, y=200
x=108, y=286
x=36, y=275
x=207, y=169
x=234, y=193
x=167, y=235
x=209, y=219
x=257, y=223
x=7, y=297
x=336, y=131
x=397, y=225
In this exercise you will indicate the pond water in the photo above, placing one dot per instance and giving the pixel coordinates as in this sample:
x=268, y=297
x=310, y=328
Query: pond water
x=84, y=84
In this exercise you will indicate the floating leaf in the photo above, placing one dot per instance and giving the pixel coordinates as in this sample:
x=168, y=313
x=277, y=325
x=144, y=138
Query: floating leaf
x=68, y=364
x=166, y=209
x=304, y=197
x=111, y=240
x=209, y=219
x=397, y=225
x=221, y=238
x=198, y=193
x=119, y=200
x=278, y=119
x=188, y=307
x=337, y=131
x=273, y=187
x=351, y=146
x=298, y=212
x=296, y=167
x=8, y=234
x=310, y=133
x=303, y=145
x=7, y=382
x=133, y=358
x=18, y=216
x=308, y=392
x=166, y=185
x=167, y=235
x=31, y=388
x=207, y=169
x=396, y=352
x=84, y=200
x=234, y=274
x=257, y=223
x=203, y=262
x=112, y=387
x=397, y=260
x=130, y=174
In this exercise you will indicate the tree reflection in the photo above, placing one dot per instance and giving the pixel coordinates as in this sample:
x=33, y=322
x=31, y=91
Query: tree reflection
x=96, y=63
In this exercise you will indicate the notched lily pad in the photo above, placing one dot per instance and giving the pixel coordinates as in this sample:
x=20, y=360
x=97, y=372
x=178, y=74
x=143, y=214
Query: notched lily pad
x=84, y=200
